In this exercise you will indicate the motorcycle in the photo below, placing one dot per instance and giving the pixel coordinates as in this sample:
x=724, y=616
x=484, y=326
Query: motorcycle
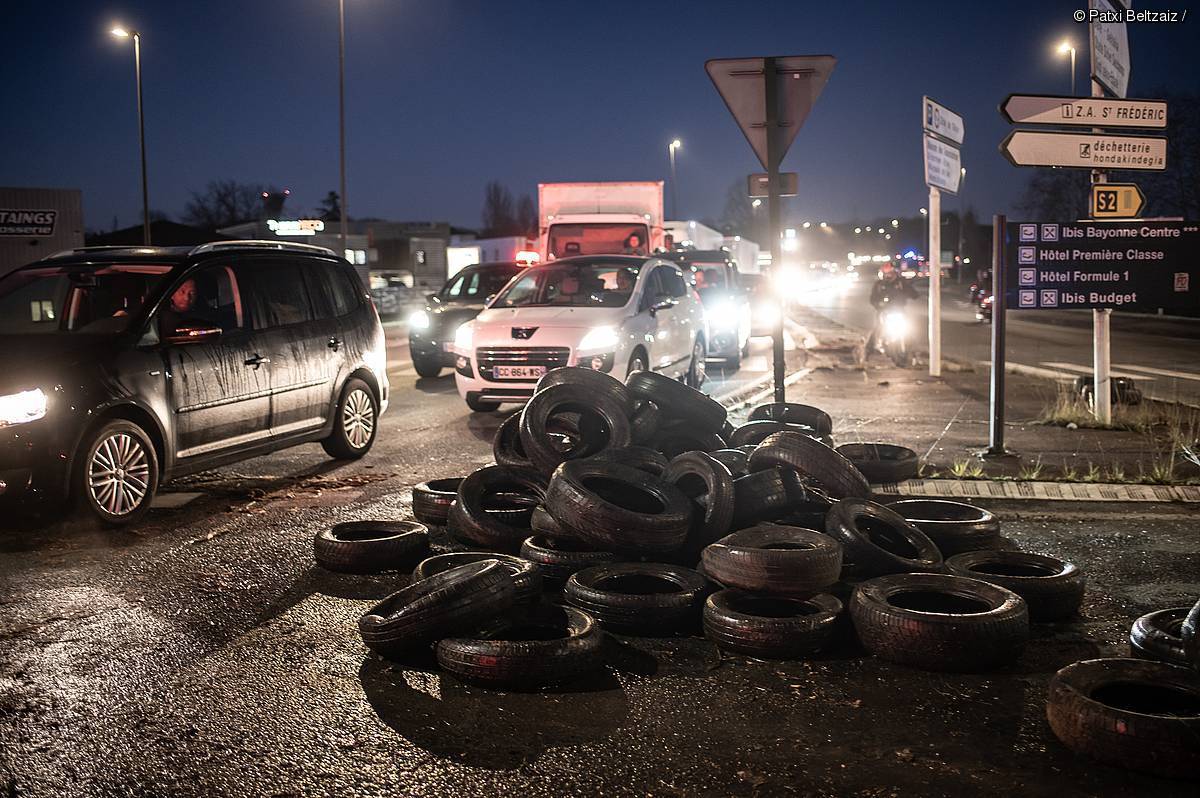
x=894, y=323
x=983, y=311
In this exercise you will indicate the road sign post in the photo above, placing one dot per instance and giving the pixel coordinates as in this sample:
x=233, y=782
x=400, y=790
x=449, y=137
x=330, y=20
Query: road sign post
x=999, y=305
x=770, y=98
x=943, y=171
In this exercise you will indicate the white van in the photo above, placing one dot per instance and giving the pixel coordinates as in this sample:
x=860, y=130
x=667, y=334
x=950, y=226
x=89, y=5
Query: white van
x=612, y=313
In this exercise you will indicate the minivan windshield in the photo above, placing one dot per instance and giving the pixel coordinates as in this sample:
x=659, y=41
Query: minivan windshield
x=83, y=299
x=599, y=284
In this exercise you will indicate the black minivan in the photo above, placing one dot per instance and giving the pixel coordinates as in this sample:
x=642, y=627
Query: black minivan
x=122, y=367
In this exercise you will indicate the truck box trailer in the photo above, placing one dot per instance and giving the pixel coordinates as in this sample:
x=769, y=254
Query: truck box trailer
x=600, y=218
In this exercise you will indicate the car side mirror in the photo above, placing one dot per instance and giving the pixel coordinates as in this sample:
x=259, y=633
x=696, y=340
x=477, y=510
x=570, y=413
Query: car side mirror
x=431, y=298
x=661, y=302
x=193, y=333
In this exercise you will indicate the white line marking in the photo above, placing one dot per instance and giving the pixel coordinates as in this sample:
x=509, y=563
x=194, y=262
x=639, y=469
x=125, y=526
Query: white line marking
x=1088, y=370
x=1182, y=375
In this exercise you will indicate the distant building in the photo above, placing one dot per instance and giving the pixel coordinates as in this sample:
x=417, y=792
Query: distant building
x=163, y=233
x=36, y=222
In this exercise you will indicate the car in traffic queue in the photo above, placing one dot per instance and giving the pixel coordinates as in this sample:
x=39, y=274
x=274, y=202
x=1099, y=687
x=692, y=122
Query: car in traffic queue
x=431, y=330
x=726, y=303
x=612, y=313
x=123, y=367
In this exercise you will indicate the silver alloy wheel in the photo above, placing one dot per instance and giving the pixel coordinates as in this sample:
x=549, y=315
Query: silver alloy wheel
x=119, y=474
x=358, y=418
x=636, y=364
x=698, y=367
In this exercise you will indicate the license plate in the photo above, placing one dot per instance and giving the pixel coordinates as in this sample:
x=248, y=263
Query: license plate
x=518, y=372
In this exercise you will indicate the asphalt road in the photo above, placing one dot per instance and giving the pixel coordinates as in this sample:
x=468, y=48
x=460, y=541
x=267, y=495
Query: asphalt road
x=1161, y=354
x=202, y=653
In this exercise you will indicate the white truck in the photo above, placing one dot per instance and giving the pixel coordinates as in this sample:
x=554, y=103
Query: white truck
x=600, y=219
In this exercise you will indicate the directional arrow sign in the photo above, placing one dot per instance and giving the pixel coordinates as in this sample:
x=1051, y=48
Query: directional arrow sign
x=1084, y=150
x=1044, y=109
x=742, y=84
x=1117, y=201
x=943, y=166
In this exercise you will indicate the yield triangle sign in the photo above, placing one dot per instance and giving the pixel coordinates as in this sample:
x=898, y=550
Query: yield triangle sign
x=742, y=83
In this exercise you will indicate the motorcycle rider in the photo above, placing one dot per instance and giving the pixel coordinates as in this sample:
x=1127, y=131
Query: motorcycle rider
x=890, y=291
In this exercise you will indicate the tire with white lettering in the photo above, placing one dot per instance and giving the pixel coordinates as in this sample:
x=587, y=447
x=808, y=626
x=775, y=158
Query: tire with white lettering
x=939, y=622
x=770, y=627
x=370, y=547
x=1129, y=713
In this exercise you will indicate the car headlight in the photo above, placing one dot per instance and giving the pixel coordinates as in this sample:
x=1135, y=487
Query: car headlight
x=419, y=320
x=19, y=408
x=463, y=336
x=767, y=313
x=722, y=314
x=895, y=323
x=599, y=338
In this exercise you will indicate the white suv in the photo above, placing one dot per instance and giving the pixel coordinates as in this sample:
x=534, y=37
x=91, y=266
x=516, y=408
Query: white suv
x=612, y=313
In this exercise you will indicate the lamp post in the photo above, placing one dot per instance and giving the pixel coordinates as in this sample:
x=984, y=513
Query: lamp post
x=1064, y=48
x=962, y=181
x=674, y=145
x=122, y=33
x=342, y=120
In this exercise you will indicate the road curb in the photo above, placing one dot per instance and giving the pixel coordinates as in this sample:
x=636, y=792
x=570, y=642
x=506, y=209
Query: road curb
x=1042, y=491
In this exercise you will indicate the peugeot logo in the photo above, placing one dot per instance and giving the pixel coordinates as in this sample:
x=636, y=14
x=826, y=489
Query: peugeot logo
x=523, y=333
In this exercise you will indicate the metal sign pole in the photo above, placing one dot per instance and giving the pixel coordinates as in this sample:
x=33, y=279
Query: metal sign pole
x=996, y=416
x=935, y=282
x=1101, y=352
x=774, y=156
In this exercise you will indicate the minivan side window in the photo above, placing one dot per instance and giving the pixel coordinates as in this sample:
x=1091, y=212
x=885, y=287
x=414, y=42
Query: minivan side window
x=282, y=293
x=208, y=297
x=331, y=289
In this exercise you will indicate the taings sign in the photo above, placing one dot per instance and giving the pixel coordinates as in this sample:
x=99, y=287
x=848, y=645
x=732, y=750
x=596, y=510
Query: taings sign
x=27, y=222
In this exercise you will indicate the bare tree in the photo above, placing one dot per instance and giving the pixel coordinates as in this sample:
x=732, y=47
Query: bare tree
x=740, y=216
x=331, y=207
x=527, y=217
x=498, y=217
x=223, y=203
x=1055, y=195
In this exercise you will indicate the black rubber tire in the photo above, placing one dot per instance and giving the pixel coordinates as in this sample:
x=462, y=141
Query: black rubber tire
x=477, y=405
x=370, y=547
x=652, y=516
x=526, y=575
x=586, y=400
x=428, y=367
x=518, y=652
x=678, y=401
x=878, y=541
x=338, y=445
x=1129, y=713
x=644, y=422
x=643, y=458
x=678, y=437
x=753, y=433
x=431, y=500
x=1052, y=588
x=80, y=476
x=670, y=602
x=558, y=559
x=1189, y=632
x=506, y=444
x=766, y=496
x=790, y=413
x=1158, y=636
x=770, y=627
x=737, y=461
x=589, y=378
x=546, y=525
x=450, y=603
x=709, y=486
x=814, y=461
x=881, y=463
x=955, y=527
x=471, y=522
x=776, y=560
x=981, y=625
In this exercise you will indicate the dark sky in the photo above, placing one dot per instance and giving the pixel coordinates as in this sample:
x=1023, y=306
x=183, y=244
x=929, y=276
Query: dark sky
x=444, y=95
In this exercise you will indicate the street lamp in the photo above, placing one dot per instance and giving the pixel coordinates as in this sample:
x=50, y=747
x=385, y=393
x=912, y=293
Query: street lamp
x=674, y=145
x=1066, y=47
x=342, y=121
x=121, y=33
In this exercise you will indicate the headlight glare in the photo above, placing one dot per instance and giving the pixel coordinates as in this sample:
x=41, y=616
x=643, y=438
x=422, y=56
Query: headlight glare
x=599, y=338
x=19, y=408
x=463, y=336
x=419, y=320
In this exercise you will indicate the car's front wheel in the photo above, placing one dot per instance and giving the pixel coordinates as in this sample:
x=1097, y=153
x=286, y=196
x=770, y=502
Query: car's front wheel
x=637, y=362
x=117, y=476
x=355, y=422
x=427, y=366
x=696, y=372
